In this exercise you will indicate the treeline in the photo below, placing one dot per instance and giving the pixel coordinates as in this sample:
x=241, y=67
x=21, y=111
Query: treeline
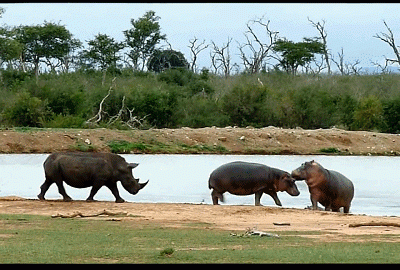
x=179, y=97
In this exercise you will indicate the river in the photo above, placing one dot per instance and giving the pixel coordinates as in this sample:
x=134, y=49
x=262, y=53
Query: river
x=184, y=179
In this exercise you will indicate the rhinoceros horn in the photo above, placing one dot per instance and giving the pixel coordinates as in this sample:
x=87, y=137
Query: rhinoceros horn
x=132, y=165
x=142, y=185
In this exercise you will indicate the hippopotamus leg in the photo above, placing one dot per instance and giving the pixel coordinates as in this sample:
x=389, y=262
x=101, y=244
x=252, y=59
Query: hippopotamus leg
x=215, y=195
x=275, y=197
x=270, y=193
x=258, y=198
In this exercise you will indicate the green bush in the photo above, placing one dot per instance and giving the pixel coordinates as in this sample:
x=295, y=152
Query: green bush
x=248, y=104
x=26, y=110
x=391, y=115
x=368, y=115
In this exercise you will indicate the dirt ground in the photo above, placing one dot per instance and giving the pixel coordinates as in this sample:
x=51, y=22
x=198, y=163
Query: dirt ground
x=234, y=218
x=268, y=140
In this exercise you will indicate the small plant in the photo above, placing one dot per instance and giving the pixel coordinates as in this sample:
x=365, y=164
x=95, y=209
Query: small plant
x=167, y=252
x=329, y=150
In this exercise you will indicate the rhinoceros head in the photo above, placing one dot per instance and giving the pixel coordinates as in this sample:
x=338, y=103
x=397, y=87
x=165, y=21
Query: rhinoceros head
x=130, y=183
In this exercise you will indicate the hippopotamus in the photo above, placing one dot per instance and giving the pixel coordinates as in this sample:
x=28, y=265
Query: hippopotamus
x=81, y=170
x=244, y=178
x=330, y=188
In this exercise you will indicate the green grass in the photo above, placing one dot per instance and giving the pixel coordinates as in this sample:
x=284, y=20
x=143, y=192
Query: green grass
x=39, y=239
x=155, y=147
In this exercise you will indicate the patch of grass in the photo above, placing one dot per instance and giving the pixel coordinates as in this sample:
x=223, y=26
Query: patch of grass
x=329, y=150
x=83, y=147
x=153, y=147
x=39, y=239
x=124, y=147
x=167, y=252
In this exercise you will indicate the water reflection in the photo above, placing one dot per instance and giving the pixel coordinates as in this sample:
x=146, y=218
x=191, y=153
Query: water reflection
x=184, y=178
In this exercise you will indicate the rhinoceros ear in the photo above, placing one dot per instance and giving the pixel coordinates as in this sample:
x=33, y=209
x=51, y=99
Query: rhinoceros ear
x=132, y=165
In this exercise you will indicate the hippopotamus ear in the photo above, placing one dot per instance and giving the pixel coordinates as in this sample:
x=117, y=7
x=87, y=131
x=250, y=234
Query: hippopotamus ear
x=132, y=165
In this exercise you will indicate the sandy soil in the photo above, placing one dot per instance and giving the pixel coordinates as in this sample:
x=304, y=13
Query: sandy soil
x=333, y=226
x=268, y=140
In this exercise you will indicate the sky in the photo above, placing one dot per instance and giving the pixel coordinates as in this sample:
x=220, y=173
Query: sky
x=348, y=26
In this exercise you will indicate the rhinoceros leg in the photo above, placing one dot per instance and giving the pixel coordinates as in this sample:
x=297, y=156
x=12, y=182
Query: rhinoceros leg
x=93, y=192
x=43, y=188
x=62, y=191
x=114, y=189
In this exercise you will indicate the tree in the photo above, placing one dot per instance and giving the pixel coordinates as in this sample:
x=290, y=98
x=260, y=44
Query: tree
x=103, y=52
x=297, y=54
x=221, y=58
x=195, y=50
x=161, y=60
x=321, y=29
x=259, y=50
x=142, y=38
x=44, y=42
x=389, y=39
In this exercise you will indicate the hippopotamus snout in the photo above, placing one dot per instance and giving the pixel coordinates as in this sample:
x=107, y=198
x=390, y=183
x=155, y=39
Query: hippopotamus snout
x=292, y=188
x=297, y=175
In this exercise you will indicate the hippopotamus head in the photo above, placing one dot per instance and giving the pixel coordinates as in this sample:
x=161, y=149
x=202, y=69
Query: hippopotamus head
x=286, y=183
x=304, y=170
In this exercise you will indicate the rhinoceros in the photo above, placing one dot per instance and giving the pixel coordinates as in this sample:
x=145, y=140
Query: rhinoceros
x=81, y=170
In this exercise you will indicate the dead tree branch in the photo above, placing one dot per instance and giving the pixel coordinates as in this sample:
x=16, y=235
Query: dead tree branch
x=221, y=58
x=321, y=29
x=195, y=50
x=97, y=118
x=258, y=50
x=389, y=39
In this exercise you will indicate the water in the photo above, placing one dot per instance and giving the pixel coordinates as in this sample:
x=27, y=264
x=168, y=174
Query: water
x=184, y=179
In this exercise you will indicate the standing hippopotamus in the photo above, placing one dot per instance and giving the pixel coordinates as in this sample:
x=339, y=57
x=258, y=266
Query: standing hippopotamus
x=243, y=178
x=330, y=188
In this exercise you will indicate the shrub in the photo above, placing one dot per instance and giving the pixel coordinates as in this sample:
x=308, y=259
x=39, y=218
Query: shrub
x=26, y=110
x=368, y=115
x=248, y=105
x=391, y=115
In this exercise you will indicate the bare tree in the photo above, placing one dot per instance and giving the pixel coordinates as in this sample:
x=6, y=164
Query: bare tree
x=258, y=50
x=347, y=68
x=195, y=50
x=221, y=58
x=389, y=39
x=340, y=63
x=321, y=29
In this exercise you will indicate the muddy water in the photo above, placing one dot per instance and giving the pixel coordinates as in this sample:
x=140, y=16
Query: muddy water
x=184, y=179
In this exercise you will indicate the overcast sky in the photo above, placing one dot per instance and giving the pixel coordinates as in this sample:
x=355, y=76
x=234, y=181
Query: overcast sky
x=351, y=26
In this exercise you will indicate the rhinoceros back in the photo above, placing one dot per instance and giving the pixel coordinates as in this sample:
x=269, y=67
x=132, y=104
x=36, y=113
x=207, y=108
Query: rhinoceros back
x=78, y=171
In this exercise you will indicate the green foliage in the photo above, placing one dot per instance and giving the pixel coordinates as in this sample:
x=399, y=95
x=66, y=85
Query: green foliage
x=166, y=59
x=178, y=97
x=368, y=114
x=297, y=54
x=248, y=105
x=143, y=37
x=103, y=51
x=26, y=110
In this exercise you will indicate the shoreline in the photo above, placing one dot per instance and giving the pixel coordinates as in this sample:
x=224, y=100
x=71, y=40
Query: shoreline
x=224, y=217
x=209, y=140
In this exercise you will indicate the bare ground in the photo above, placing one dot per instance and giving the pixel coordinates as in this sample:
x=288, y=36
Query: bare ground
x=234, y=218
x=228, y=140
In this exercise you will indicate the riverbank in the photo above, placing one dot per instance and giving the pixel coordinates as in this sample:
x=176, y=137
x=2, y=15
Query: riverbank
x=332, y=227
x=210, y=140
